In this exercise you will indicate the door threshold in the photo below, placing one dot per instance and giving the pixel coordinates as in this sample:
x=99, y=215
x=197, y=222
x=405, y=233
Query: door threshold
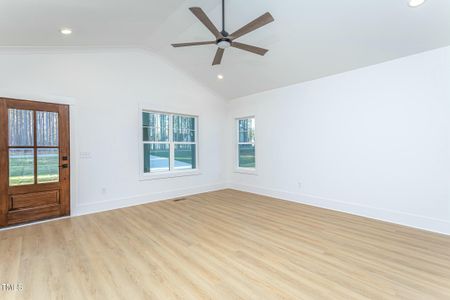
x=33, y=223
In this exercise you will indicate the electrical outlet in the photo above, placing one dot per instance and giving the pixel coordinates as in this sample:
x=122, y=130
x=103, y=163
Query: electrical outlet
x=299, y=183
x=103, y=190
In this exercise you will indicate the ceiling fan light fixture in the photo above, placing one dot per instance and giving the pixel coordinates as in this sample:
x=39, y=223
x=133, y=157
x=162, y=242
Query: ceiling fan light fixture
x=224, y=44
x=66, y=31
x=220, y=76
x=415, y=3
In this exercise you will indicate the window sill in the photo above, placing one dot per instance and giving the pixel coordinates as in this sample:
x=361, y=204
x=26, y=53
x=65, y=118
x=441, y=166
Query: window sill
x=247, y=171
x=172, y=174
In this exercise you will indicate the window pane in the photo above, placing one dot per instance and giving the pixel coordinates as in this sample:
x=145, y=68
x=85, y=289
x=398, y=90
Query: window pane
x=156, y=157
x=183, y=129
x=185, y=157
x=155, y=127
x=47, y=165
x=20, y=127
x=21, y=166
x=47, y=128
x=247, y=130
x=247, y=156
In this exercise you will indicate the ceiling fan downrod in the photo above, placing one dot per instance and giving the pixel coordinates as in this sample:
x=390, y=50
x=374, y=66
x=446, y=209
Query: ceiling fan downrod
x=224, y=33
x=224, y=42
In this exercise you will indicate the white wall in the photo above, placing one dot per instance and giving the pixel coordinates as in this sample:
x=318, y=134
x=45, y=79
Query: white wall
x=106, y=88
x=373, y=142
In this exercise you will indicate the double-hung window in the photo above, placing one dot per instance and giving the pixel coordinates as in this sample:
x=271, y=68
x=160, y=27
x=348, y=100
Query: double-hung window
x=246, y=158
x=169, y=142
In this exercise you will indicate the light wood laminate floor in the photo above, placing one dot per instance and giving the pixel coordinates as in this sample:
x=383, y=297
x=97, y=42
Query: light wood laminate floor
x=224, y=245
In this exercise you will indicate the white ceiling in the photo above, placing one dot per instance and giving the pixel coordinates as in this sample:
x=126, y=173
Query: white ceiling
x=308, y=40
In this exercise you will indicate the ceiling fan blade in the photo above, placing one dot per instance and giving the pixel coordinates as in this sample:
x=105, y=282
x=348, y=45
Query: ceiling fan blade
x=193, y=44
x=218, y=58
x=249, y=48
x=200, y=14
x=253, y=25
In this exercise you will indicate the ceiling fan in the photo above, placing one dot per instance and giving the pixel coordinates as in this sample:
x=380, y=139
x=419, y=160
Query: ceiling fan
x=224, y=39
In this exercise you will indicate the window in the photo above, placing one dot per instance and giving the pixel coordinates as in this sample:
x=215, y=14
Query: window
x=246, y=143
x=169, y=142
x=33, y=138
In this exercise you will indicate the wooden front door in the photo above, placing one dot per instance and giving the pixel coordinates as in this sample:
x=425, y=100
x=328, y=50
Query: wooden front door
x=34, y=161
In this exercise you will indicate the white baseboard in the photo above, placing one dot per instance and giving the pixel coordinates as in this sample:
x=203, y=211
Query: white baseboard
x=94, y=207
x=406, y=219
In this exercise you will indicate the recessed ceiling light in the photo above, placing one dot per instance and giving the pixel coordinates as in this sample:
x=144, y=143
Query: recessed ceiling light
x=415, y=3
x=220, y=76
x=66, y=31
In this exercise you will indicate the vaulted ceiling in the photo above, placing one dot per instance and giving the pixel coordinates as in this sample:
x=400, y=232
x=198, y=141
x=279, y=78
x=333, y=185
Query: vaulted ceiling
x=308, y=40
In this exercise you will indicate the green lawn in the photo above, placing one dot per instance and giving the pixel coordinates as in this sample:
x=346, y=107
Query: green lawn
x=246, y=156
x=185, y=156
x=247, y=161
x=21, y=180
x=21, y=170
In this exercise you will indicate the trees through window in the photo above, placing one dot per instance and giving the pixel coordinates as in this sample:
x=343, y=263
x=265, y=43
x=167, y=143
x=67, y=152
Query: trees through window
x=169, y=142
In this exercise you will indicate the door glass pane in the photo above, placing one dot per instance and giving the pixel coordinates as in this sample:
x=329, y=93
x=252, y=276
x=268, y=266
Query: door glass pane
x=20, y=127
x=247, y=156
x=183, y=129
x=156, y=157
x=47, y=128
x=247, y=130
x=185, y=157
x=155, y=127
x=21, y=166
x=47, y=165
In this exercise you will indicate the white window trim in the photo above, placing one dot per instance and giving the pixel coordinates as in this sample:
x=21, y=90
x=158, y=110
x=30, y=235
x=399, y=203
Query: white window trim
x=171, y=173
x=237, y=169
